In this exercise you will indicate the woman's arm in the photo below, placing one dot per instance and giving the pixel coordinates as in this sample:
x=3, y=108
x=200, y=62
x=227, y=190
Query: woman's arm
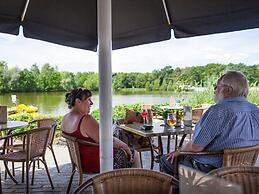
x=117, y=143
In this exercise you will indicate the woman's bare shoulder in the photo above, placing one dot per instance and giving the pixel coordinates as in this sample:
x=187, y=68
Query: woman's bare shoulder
x=69, y=123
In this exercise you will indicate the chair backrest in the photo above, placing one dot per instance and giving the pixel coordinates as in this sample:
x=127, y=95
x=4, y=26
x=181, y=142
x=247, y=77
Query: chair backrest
x=193, y=181
x=132, y=116
x=241, y=156
x=48, y=122
x=246, y=176
x=132, y=181
x=36, y=142
x=73, y=148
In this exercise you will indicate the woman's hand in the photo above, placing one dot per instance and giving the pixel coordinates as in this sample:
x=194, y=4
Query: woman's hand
x=127, y=149
x=120, y=144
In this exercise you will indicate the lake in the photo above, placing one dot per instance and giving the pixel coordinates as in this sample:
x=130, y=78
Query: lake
x=53, y=103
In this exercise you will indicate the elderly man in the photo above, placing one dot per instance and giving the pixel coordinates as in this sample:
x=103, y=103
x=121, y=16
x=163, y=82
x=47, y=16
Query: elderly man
x=232, y=122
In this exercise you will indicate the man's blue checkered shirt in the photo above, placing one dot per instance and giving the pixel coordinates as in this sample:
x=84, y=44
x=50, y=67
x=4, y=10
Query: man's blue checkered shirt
x=231, y=123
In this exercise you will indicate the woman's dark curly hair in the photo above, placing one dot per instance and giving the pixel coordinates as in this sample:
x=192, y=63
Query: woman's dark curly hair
x=79, y=93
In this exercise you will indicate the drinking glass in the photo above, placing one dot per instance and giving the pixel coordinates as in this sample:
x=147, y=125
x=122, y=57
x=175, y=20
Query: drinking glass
x=144, y=115
x=171, y=120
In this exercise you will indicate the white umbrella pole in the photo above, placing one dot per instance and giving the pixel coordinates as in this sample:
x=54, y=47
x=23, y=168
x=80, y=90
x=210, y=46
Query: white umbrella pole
x=105, y=83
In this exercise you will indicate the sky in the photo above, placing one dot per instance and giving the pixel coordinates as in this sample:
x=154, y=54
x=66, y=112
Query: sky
x=234, y=47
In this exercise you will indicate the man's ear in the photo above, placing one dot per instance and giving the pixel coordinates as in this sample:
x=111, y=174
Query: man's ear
x=228, y=91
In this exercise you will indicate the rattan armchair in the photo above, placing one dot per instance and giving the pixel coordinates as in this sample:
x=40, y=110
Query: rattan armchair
x=246, y=176
x=245, y=156
x=139, y=143
x=73, y=148
x=131, y=181
x=196, y=114
x=48, y=122
x=33, y=149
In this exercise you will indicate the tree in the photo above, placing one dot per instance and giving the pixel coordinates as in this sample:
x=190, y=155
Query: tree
x=26, y=81
x=14, y=77
x=3, y=77
x=67, y=81
x=156, y=84
x=49, y=79
x=91, y=82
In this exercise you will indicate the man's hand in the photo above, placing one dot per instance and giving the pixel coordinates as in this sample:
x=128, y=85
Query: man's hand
x=170, y=156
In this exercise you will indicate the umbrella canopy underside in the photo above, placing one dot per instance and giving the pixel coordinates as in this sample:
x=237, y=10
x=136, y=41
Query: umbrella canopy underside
x=134, y=22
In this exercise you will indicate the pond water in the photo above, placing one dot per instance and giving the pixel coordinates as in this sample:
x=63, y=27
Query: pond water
x=52, y=103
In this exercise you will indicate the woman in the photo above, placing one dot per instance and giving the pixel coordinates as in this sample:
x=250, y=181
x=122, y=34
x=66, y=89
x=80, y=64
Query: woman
x=80, y=124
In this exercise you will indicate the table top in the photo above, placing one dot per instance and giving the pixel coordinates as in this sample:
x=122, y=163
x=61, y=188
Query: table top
x=12, y=125
x=157, y=130
x=171, y=107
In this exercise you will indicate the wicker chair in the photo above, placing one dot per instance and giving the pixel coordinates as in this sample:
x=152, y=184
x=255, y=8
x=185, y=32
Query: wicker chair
x=196, y=114
x=33, y=149
x=139, y=143
x=73, y=148
x=246, y=176
x=131, y=181
x=48, y=122
x=245, y=156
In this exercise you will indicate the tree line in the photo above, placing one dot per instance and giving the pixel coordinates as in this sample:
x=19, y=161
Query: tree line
x=48, y=78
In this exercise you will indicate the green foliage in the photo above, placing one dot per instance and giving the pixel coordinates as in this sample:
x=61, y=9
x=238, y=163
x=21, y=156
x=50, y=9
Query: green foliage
x=253, y=96
x=199, y=98
x=166, y=79
x=91, y=82
x=28, y=117
x=119, y=111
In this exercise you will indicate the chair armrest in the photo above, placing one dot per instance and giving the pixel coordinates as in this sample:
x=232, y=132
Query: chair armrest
x=180, y=154
x=33, y=121
x=84, y=142
x=183, y=153
x=84, y=186
x=6, y=146
x=13, y=135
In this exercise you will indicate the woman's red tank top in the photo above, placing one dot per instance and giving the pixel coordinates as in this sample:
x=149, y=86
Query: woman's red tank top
x=89, y=154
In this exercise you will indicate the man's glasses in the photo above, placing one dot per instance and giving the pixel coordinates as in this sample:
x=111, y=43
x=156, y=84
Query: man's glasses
x=220, y=86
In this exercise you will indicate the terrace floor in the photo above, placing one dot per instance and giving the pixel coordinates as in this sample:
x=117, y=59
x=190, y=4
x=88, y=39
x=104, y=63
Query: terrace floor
x=60, y=180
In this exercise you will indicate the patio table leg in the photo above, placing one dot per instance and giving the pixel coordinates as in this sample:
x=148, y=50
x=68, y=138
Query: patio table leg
x=160, y=146
x=182, y=140
x=152, y=153
x=168, y=143
x=176, y=142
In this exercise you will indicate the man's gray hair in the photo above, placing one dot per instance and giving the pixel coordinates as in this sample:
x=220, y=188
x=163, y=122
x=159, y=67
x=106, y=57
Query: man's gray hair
x=237, y=81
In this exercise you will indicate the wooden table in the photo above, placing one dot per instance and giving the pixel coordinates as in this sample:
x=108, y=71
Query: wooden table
x=158, y=131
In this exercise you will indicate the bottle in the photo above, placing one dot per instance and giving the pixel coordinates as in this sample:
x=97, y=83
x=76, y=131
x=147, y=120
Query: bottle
x=187, y=118
x=178, y=119
x=149, y=117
